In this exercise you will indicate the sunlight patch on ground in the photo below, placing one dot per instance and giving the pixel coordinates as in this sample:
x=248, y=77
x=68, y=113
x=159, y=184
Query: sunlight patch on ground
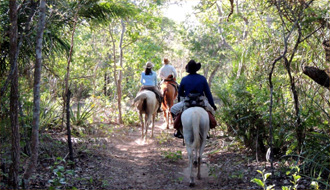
x=140, y=141
x=163, y=125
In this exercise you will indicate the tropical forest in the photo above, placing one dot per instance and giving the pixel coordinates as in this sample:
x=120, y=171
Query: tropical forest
x=75, y=112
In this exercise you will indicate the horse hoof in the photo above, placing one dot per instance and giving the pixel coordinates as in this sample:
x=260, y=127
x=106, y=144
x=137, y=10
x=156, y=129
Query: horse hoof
x=192, y=185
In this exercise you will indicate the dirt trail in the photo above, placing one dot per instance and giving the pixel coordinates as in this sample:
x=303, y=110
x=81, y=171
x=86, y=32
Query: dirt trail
x=120, y=160
x=142, y=165
x=127, y=162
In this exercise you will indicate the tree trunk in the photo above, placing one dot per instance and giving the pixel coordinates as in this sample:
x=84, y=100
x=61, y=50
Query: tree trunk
x=116, y=78
x=321, y=77
x=318, y=75
x=120, y=76
x=105, y=83
x=14, y=96
x=213, y=74
x=68, y=125
x=67, y=77
x=67, y=93
x=31, y=166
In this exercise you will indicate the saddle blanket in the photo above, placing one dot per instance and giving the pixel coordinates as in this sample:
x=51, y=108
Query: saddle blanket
x=178, y=124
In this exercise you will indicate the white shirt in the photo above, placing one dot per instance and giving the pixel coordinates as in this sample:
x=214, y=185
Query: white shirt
x=167, y=70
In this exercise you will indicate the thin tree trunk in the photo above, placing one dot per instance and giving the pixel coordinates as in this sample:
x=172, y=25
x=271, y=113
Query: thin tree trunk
x=67, y=76
x=120, y=77
x=115, y=71
x=213, y=74
x=27, y=27
x=31, y=165
x=14, y=96
x=67, y=92
x=68, y=125
x=105, y=83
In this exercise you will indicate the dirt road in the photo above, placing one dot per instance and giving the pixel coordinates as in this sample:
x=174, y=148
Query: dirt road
x=119, y=159
x=124, y=161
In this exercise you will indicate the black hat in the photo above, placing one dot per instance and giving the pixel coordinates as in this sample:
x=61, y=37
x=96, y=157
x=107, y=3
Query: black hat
x=192, y=67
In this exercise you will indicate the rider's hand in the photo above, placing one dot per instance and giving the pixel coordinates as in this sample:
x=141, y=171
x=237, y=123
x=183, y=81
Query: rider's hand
x=214, y=107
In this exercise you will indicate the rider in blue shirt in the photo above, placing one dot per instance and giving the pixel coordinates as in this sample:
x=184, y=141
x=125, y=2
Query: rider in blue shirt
x=193, y=83
x=149, y=79
x=149, y=82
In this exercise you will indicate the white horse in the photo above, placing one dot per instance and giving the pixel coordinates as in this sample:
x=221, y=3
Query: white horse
x=195, y=122
x=147, y=104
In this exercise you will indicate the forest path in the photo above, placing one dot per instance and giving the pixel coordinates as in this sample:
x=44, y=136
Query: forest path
x=117, y=158
x=153, y=164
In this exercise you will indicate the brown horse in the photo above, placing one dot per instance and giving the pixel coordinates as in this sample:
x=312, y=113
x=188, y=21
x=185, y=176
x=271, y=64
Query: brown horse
x=170, y=93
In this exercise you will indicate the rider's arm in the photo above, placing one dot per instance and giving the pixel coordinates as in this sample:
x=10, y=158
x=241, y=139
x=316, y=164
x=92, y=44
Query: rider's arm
x=141, y=80
x=155, y=79
x=208, y=94
x=175, y=74
x=161, y=73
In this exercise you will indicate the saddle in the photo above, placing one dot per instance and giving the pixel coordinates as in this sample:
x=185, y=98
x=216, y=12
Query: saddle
x=171, y=80
x=194, y=100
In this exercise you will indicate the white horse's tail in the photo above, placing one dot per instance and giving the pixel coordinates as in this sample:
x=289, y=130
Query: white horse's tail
x=140, y=96
x=195, y=121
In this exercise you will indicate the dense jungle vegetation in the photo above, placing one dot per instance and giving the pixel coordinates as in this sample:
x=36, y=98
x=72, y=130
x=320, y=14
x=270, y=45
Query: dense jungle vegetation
x=73, y=67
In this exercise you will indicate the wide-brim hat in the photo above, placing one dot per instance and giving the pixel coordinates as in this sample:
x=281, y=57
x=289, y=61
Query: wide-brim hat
x=192, y=66
x=149, y=65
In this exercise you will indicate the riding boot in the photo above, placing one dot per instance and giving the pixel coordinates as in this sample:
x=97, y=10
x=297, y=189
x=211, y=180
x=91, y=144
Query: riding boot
x=173, y=116
x=178, y=134
x=160, y=100
x=159, y=109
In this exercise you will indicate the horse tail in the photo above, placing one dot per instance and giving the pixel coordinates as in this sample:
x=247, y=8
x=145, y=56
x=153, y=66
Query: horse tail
x=195, y=121
x=140, y=96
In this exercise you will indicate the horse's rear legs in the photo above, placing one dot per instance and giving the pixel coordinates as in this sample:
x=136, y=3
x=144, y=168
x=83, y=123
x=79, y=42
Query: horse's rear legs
x=199, y=168
x=142, y=124
x=191, y=158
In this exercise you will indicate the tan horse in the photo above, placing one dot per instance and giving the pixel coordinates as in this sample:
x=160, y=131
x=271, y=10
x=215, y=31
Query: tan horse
x=195, y=123
x=169, y=95
x=147, y=104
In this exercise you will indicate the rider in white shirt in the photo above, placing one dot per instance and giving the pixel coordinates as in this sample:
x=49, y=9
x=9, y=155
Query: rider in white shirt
x=167, y=70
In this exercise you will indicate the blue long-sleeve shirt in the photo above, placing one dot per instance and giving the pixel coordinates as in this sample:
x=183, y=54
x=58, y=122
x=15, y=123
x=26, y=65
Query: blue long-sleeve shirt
x=149, y=80
x=195, y=83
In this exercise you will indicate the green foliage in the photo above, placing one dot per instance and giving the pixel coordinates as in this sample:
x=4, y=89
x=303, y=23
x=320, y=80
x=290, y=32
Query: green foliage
x=50, y=113
x=315, y=185
x=60, y=174
x=172, y=156
x=131, y=117
x=242, y=113
x=163, y=137
x=82, y=115
x=316, y=157
x=262, y=183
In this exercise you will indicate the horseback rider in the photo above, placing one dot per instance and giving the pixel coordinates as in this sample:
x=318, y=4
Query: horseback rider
x=193, y=83
x=168, y=73
x=149, y=82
